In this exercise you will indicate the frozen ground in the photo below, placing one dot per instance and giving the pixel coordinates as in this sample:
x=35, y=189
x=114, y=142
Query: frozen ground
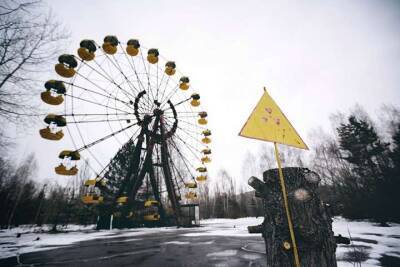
x=38, y=239
x=368, y=239
x=370, y=242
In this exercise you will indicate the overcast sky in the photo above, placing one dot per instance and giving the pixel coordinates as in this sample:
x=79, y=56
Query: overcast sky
x=315, y=58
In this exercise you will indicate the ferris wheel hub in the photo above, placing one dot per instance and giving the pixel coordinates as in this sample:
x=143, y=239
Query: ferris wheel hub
x=158, y=112
x=158, y=104
x=147, y=119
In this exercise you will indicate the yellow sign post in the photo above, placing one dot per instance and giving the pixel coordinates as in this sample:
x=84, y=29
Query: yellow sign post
x=268, y=123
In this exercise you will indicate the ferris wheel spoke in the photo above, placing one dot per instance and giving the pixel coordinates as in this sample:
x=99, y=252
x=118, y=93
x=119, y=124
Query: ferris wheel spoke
x=132, y=65
x=105, y=138
x=93, y=102
x=169, y=95
x=87, y=163
x=184, y=159
x=188, y=130
x=187, y=133
x=160, y=85
x=147, y=71
x=96, y=85
x=126, y=144
x=117, y=66
x=174, y=171
x=131, y=62
x=109, y=96
x=165, y=90
x=161, y=81
x=73, y=117
x=96, y=121
x=177, y=171
x=80, y=135
x=109, y=122
x=150, y=88
x=187, y=127
x=130, y=84
x=175, y=105
x=184, y=125
x=181, y=115
x=191, y=136
x=94, y=114
x=187, y=172
x=175, y=142
x=184, y=116
x=192, y=149
x=105, y=76
x=156, y=98
x=193, y=125
x=75, y=146
x=184, y=112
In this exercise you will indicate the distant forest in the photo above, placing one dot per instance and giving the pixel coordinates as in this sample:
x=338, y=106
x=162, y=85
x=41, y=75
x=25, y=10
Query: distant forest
x=359, y=164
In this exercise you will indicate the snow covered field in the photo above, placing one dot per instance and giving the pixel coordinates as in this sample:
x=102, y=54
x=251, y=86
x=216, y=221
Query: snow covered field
x=370, y=242
x=34, y=239
x=367, y=238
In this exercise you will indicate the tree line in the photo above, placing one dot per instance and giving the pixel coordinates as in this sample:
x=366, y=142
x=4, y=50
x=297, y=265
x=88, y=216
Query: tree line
x=359, y=166
x=24, y=200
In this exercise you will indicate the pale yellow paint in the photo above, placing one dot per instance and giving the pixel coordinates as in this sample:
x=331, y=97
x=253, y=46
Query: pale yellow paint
x=268, y=123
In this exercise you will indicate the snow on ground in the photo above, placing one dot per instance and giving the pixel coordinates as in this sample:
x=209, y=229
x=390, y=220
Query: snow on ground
x=176, y=243
x=225, y=253
x=34, y=239
x=226, y=227
x=367, y=238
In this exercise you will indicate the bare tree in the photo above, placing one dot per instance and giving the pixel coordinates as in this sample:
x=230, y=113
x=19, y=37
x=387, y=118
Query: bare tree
x=249, y=168
x=388, y=121
x=22, y=175
x=289, y=157
x=326, y=159
x=29, y=42
x=266, y=158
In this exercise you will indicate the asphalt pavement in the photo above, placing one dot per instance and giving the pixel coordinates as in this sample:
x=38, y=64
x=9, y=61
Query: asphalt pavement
x=164, y=249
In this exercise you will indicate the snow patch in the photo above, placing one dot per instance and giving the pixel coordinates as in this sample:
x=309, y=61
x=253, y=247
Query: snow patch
x=251, y=256
x=226, y=227
x=224, y=253
x=368, y=237
x=205, y=243
x=176, y=243
x=33, y=239
x=125, y=240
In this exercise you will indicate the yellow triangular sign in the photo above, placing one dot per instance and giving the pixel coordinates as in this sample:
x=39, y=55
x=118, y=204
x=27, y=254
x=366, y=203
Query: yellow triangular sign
x=268, y=123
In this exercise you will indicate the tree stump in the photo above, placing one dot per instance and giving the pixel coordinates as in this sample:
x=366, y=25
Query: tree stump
x=311, y=222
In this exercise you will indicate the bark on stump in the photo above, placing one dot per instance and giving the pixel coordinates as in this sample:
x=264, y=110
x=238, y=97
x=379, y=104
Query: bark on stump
x=311, y=221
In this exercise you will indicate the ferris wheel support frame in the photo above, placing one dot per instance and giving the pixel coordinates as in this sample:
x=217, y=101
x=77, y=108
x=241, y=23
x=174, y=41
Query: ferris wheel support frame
x=136, y=175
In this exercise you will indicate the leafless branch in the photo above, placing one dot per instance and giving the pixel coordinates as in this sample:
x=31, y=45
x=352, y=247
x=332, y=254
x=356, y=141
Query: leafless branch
x=30, y=40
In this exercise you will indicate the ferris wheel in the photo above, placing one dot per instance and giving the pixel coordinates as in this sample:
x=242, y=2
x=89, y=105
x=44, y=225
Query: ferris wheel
x=119, y=94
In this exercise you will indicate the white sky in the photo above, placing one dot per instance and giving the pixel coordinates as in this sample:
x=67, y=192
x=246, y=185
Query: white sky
x=315, y=58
